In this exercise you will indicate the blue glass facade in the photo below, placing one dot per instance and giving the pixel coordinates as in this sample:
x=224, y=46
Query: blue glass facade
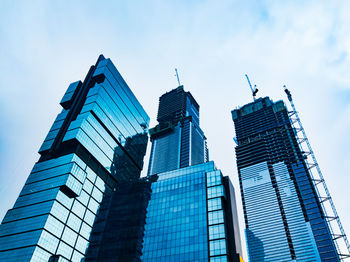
x=283, y=217
x=191, y=214
x=316, y=219
x=84, y=199
x=177, y=141
x=189, y=217
x=97, y=142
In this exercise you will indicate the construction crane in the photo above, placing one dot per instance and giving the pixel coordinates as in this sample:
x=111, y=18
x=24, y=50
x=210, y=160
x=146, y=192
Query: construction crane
x=254, y=90
x=177, y=76
x=337, y=231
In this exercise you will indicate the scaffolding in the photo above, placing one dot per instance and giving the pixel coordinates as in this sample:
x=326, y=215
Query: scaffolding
x=337, y=231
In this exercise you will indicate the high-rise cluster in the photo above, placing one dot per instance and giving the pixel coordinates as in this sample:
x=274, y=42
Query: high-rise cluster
x=85, y=200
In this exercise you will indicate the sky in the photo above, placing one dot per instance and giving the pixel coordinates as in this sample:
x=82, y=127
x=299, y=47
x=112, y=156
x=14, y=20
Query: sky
x=45, y=45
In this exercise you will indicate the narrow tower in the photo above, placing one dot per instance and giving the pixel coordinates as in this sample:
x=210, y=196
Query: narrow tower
x=283, y=214
x=191, y=214
x=177, y=140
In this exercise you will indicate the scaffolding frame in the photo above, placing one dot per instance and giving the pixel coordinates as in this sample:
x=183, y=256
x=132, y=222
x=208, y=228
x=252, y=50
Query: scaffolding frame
x=336, y=229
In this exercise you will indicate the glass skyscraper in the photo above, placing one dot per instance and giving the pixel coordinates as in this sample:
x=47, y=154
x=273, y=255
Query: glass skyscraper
x=177, y=141
x=85, y=201
x=283, y=215
x=191, y=214
x=96, y=144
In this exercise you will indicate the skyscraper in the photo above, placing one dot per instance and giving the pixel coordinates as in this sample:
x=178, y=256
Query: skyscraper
x=96, y=143
x=85, y=201
x=177, y=141
x=191, y=214
x=283, y=214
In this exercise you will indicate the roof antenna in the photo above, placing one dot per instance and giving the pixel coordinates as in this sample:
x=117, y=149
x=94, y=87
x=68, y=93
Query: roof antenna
x=177, y=76
x=254, y=90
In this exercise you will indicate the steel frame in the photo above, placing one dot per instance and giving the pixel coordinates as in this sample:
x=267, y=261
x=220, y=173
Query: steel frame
x=337, y=231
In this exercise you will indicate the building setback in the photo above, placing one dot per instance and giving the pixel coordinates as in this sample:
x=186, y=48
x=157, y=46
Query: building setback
x=96, y=143
x=177, y=140
x=191, y=215
x=283, y=215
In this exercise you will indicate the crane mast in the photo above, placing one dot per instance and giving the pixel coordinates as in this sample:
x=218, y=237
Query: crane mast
x=177, y=77
x=337, y=231
x=254, y=90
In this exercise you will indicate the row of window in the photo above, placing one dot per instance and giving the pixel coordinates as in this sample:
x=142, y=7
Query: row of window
x=205, y=167
x=216, y=226
x=106, y=96
x=115, y=81
x=182, y=193
x=201, y=250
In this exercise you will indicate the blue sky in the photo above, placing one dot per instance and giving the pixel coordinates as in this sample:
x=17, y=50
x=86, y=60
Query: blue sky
x=45, y=45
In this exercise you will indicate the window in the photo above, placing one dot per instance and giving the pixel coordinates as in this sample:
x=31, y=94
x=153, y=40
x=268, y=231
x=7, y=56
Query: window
x=217, y=231
x=217, y=247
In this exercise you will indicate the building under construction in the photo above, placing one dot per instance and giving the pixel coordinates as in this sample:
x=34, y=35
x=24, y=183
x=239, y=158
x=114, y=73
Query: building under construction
x=285, y=219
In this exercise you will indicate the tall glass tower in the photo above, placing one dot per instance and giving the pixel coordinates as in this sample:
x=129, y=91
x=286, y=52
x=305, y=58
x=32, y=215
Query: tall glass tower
x=191, y=213
x=177, y=141
x=192, y=216
x=96, y=143
x=283, y=215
